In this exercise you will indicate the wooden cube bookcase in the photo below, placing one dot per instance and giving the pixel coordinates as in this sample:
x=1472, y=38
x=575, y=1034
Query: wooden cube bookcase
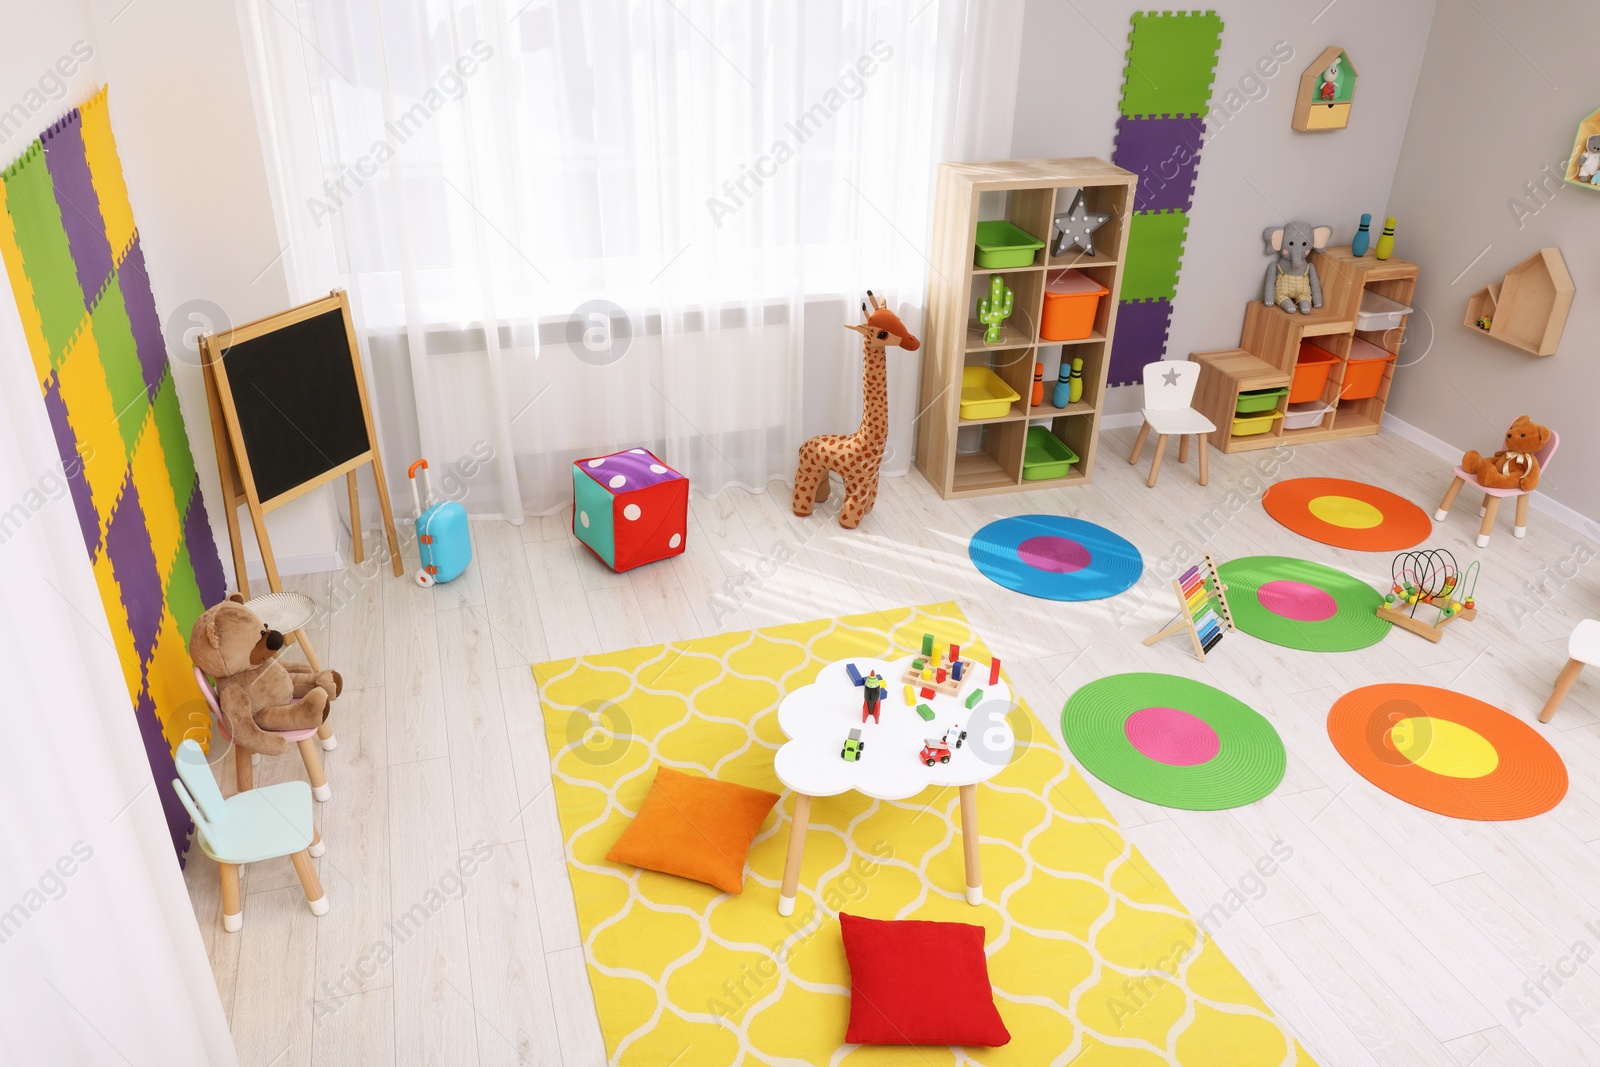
x=1269, y=346
x=1033, y=190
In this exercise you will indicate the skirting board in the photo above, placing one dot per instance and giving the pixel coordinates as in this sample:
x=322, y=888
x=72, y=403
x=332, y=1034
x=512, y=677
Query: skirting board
x=1438, y=446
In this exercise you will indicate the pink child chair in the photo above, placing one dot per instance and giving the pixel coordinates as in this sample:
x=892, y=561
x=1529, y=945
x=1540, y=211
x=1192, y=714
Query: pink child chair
x=305, y=740
x=1491, y=497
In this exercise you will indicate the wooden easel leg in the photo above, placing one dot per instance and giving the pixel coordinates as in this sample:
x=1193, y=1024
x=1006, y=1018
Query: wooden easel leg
x=1564, y=682
x=388, y=517
x=240, y=576
x=797, y=848
x=1204, y=441
x=357, y=548
x=1138, y=444
x=1155, y=465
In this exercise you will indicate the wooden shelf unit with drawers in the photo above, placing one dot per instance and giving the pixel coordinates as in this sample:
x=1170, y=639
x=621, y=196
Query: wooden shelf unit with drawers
x=1269, y=346
x=1033, y=191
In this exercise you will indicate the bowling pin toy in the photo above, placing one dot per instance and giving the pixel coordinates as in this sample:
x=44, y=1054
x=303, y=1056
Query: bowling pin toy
x=1386, y=242
x=1061, y=397
x=1363, y=238
x=1038, y=384
x=1075, y=390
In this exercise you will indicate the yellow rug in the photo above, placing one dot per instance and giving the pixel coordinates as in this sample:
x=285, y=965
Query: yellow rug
x=1093, y=960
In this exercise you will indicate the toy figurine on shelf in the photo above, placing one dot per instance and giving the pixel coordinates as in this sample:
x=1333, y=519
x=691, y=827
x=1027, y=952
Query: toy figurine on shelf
x=1484, y=322
x=995, y=309
x=1589, y=161
x=1292, y=282
x=1330, y=80
x=1363, y=238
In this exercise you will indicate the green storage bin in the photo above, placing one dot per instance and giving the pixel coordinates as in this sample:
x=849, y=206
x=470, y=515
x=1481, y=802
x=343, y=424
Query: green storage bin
x=1046, y=456
x=1001, y=244
x=1259, y=400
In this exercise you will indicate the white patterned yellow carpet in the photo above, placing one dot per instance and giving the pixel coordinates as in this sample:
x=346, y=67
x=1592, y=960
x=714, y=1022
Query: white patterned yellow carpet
x=1093, y=960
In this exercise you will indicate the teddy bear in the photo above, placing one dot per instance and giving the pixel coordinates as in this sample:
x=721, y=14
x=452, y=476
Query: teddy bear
x=255, y=689
x=1515, y=466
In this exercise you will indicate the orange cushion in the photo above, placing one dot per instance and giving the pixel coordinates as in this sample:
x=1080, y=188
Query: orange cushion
x=695, y=827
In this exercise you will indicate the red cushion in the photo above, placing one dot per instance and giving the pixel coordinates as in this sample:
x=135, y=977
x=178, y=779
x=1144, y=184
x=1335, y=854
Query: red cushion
x=919, y=983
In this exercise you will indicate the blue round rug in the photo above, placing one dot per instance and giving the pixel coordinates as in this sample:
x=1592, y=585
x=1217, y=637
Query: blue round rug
x=1055, y=558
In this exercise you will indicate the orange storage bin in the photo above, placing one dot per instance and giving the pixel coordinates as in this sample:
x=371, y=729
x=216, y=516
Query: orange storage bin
x=1071, y=299
x=1363, y=375
x=1311, y=372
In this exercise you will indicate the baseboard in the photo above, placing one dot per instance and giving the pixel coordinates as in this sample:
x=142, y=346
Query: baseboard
x=1126, y=420
x=314, y=563
x=1451, y=454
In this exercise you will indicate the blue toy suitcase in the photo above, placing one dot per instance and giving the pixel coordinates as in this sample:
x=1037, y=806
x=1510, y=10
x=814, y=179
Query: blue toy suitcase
x=443, y=540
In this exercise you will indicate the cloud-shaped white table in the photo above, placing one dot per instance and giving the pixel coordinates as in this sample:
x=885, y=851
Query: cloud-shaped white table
x=818, y=717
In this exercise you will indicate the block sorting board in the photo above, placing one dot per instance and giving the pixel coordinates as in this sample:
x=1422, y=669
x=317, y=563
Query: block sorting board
x=1203, y=610
x=950, y=686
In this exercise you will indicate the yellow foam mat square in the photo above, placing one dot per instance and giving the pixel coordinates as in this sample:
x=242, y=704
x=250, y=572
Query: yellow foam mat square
x=1092, y=958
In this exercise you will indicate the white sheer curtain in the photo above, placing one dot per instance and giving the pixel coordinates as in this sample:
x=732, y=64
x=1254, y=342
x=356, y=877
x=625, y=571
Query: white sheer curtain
x=572, y=226
x=100, y=958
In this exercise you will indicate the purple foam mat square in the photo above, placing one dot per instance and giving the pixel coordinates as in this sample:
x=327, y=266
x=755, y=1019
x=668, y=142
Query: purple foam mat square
x=623, y=472
x=133, y=564
x=141, y=305
x=1165, y=153
x=203, y=555
x=1141, y=337
x=78, y=202
x=72, y=465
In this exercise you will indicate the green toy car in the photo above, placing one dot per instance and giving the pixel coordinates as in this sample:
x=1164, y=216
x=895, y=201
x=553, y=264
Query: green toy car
x=853, y=747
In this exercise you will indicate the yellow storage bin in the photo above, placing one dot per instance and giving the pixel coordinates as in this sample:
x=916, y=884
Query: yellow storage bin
x=1250, y=425
x=984, y=395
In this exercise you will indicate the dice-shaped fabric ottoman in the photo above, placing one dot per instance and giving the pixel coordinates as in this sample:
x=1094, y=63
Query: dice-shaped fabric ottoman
x=629, y=508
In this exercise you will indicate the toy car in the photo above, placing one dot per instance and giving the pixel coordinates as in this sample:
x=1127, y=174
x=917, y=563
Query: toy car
x=935, y=750
x=955, y=735
x=853, y=747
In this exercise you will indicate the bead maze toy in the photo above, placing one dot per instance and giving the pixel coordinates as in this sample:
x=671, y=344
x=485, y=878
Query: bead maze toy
x=1429, y=577
x=1203, y=613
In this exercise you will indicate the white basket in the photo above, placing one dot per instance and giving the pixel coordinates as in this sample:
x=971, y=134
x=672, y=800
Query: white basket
x=1379, y=312
x=1304, y=416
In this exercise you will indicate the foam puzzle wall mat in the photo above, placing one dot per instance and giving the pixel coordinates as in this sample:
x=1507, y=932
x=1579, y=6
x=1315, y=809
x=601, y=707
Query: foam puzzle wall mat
x=1094, y=961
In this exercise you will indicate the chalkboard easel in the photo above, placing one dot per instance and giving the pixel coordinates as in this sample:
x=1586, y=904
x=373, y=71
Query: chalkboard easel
x=289, y=413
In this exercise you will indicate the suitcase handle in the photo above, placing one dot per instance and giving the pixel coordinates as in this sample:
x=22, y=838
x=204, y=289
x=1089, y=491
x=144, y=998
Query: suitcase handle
x=411, y=474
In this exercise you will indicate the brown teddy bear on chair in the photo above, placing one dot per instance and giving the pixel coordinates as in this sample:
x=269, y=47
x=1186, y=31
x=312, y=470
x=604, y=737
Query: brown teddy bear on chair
x=1514, y=466
x=255, y=689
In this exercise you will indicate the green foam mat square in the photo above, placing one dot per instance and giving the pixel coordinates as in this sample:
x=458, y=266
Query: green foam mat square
x=1172, y=58
x=30, y=201
x=113, y=336
x=1155, y=255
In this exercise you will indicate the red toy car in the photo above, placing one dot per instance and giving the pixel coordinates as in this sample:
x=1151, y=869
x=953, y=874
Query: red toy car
x=935, y=750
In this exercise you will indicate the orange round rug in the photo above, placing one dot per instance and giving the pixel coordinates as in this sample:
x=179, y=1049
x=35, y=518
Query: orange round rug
x=1347, y=514
x=1446, y=752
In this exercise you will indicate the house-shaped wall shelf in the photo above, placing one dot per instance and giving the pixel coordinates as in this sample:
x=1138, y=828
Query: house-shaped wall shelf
x=1590, y=127
x=1324, y=103
x=1529, y=309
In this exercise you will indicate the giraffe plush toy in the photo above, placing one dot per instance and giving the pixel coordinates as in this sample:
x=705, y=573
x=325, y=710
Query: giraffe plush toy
x=856, y=456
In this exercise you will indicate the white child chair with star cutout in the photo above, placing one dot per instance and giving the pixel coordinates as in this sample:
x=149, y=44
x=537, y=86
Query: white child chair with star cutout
x=1168, y=395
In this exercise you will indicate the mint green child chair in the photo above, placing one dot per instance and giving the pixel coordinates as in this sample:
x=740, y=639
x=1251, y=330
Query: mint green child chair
x=261, y=824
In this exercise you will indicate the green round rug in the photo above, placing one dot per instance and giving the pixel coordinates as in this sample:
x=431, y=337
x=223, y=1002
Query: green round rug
x=1300, y=604
x=1173, y=741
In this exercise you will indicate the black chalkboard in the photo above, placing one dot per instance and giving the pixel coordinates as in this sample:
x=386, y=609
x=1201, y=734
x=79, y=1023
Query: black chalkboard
x=298, y=404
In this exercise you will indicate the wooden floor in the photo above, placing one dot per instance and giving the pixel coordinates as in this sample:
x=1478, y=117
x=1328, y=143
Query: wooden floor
x=1390, y=936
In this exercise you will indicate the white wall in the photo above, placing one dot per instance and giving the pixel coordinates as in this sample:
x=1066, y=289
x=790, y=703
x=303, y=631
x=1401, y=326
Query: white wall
x=1491, y=112
x=186, y=132
x=1255, y=169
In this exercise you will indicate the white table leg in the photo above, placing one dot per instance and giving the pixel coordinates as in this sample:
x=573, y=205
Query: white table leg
x=969, y=843
x=797, y=848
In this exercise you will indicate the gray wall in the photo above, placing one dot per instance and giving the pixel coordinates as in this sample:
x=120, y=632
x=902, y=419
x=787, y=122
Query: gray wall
x=1255, y=169
x=1491, y=111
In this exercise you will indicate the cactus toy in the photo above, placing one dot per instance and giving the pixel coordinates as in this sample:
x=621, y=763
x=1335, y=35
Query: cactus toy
x=995, y=309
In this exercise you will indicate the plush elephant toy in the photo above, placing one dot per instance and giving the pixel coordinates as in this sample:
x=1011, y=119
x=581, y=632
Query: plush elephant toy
x=1292, y=281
